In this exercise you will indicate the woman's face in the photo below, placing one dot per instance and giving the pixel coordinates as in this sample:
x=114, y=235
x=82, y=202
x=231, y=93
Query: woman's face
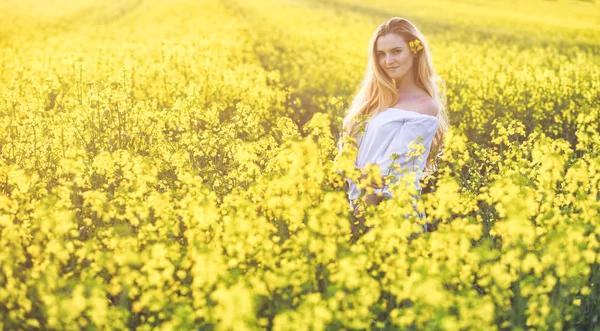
x=394, y=55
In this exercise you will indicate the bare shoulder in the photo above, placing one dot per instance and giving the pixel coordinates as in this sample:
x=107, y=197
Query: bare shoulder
x=428, y=106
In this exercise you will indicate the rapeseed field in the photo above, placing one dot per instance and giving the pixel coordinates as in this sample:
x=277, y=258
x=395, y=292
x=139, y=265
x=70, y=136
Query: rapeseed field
x=173, y=165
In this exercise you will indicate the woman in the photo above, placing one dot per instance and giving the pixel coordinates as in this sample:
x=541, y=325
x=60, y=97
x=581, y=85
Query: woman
x=399, y=102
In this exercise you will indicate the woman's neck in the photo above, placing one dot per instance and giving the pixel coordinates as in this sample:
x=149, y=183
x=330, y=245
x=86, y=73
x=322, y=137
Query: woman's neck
x=406, y=85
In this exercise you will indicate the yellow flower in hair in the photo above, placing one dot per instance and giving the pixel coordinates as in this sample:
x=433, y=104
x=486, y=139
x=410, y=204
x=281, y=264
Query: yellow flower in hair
x=415, y=46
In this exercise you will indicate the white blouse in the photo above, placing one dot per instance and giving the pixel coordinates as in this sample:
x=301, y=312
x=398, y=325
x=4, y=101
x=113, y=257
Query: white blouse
x=389, y=132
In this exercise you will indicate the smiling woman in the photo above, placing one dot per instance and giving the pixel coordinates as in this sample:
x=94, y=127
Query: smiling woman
x=401, y=81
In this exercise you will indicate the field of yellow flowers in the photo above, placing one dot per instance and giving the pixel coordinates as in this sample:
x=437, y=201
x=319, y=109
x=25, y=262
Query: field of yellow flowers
x=173, y=165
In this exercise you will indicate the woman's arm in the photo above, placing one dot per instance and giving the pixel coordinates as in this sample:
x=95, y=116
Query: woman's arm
x=373, y=184
x=368, y=199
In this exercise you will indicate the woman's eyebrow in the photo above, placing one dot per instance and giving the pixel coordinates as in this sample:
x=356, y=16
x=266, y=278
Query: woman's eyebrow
x=393, y=48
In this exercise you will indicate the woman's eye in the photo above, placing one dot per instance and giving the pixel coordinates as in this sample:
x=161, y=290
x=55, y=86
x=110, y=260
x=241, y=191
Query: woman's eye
x=396, y=51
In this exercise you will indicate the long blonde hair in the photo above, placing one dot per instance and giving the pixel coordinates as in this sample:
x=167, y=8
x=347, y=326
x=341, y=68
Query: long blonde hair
x=377, y=91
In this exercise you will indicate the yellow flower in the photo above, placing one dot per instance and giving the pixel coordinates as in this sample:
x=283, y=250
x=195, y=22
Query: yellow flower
x=415, y=46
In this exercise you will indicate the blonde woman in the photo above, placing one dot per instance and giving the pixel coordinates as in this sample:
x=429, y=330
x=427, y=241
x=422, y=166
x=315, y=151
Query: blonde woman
x=399, y=102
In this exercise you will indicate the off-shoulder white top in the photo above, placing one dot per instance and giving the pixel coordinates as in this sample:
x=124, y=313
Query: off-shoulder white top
x=389, y=132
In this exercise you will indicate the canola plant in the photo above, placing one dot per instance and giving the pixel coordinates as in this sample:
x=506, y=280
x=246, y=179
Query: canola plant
x=173, y=165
